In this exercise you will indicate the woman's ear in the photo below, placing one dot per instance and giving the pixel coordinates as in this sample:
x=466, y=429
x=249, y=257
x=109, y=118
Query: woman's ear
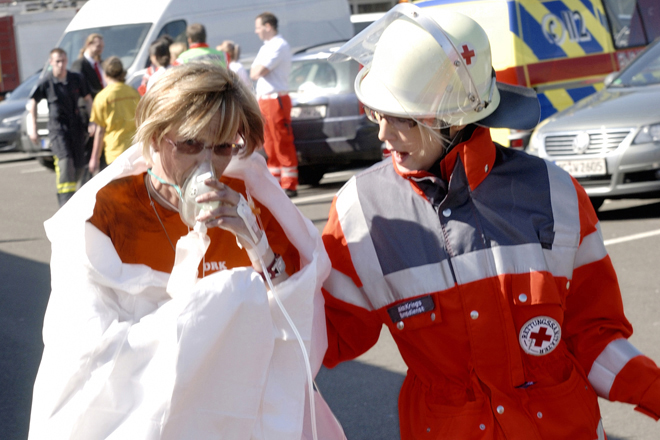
x=155, y=145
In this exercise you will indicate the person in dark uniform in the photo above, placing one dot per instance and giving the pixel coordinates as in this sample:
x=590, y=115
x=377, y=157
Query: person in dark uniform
x=67, y=130
x=88, y=65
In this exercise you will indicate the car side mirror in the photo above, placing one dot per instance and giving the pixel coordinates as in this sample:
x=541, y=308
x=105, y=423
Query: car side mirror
x=609, y=78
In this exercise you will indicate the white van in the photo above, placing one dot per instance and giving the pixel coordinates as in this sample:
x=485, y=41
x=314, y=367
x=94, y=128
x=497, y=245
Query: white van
x=129, y=26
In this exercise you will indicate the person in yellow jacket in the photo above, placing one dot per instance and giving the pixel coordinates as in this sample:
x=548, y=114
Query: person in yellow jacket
x=113, y=111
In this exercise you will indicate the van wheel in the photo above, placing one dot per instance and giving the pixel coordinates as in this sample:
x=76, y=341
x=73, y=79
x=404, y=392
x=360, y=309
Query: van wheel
x=597, y=202
x=47, y=161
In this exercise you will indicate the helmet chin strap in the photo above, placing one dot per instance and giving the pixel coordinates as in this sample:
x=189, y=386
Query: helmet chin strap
x=456, y=139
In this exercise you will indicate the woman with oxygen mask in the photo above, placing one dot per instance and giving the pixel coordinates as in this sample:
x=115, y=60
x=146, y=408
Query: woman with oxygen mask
x=164, y=320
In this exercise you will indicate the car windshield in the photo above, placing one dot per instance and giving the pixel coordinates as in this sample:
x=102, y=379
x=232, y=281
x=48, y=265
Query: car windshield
x=123, y=41
x=24, y=89
x=643, y=71
x=320, y=76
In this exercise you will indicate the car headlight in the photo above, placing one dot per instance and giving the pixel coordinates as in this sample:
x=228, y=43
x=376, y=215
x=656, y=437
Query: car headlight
x=535, y=140
x=534, y=144
x=12, y=120
x=648, y=133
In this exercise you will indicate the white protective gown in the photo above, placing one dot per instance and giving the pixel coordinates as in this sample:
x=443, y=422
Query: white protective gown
x=124, y=360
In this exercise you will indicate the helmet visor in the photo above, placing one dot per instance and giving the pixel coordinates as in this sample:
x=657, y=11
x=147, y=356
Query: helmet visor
x=412, y=69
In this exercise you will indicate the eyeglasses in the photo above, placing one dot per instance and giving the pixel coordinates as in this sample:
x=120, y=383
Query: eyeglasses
x=401, y=124
x=192, y=147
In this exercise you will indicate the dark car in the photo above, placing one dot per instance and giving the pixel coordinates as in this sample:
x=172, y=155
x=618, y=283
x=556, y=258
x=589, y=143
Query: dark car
x=11, y=113
x=330, y=128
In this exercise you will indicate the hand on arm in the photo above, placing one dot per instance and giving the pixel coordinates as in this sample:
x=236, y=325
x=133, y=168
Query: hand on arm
x=228, y=216
x=257, y=71
x=94, y=161
x=91, y=127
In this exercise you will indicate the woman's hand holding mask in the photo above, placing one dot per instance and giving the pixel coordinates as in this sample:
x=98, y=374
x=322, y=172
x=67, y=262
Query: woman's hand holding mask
x=235, y=215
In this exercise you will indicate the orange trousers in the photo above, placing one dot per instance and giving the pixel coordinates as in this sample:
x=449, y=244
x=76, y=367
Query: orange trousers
x=278, y=140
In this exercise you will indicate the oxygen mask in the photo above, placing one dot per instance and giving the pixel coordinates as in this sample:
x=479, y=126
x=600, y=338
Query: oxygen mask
x=192, y=188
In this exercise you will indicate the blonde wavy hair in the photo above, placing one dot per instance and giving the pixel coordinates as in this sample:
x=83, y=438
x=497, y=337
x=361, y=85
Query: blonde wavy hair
x=187, y=98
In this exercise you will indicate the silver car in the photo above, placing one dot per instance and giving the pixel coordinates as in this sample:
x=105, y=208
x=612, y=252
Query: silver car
x=12, y=110
x=610, y=141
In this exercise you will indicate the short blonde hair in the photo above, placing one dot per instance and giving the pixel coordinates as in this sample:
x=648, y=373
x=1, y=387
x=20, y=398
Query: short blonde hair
x=187, y=98
x=432, y=136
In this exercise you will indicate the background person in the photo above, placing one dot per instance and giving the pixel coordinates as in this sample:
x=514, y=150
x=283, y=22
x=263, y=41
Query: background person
x=113, y=112
x=198, y=50
x=233, y=52
x=487, y=265
x=67, y=129
x=270, y=70
x=88, y=65
x=176, y=49
x=159, y=54
x=89, y=61
x=159, y=57
x=126, y=342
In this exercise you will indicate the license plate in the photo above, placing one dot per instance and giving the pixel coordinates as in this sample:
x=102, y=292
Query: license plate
x=583, y=168
x=309, y=112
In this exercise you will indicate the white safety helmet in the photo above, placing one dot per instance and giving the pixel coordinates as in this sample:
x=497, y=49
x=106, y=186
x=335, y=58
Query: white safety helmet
x=434, y=66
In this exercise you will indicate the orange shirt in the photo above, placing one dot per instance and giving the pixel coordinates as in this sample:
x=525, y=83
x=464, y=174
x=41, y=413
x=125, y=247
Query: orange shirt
x=123, y=212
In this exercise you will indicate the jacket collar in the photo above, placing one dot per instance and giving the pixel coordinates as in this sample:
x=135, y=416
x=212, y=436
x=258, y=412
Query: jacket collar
x=196, y=45
x=477, y=155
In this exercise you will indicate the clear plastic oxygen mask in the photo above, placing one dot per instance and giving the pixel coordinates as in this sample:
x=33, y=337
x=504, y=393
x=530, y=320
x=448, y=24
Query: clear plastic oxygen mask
x=194, y=187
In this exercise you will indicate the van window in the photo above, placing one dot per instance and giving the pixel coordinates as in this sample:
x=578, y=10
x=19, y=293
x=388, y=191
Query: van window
x=175, y=29
x=123, y=41
x=310, y=75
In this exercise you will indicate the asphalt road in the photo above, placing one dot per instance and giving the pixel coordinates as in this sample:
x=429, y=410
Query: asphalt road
x=363, y=393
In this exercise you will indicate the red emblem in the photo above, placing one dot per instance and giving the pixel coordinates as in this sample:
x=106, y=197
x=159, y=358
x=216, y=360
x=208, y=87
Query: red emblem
x=467, y=54
x=540, y=335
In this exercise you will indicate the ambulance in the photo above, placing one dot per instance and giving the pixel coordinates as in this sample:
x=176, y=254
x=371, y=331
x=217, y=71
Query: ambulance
x=563, y=49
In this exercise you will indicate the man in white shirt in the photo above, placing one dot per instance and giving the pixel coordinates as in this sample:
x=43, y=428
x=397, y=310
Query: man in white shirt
x=270, y=70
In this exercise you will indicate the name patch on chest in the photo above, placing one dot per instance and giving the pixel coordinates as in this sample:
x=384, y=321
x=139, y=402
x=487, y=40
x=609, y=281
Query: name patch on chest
x=540, y=335
x=411, y=308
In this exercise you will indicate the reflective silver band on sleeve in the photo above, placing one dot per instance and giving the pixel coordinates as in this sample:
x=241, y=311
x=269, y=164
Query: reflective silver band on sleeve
x=565, y=208
x=343, y=288
x=591, y=249
x=609, y=363
x=360, y=245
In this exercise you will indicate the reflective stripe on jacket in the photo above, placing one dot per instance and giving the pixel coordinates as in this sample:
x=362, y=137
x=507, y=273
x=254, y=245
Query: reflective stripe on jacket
x=463, y=287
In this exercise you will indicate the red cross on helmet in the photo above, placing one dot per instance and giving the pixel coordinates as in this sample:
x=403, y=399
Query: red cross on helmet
x=433, y=66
